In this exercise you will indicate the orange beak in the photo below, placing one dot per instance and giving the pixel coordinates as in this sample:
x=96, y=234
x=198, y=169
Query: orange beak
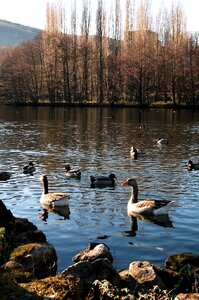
x=125, y=183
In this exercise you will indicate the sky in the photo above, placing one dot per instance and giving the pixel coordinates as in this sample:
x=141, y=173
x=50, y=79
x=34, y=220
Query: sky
x=33, y=12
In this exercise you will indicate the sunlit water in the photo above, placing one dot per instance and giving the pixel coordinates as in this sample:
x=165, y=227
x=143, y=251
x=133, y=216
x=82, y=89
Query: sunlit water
x=99, y=141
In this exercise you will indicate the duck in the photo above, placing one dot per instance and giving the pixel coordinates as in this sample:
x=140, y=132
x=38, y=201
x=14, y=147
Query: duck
x=4, y=176
x=103, y=181
x=135, y=153
x=76, y=173
x=52, y=199
x=161, y=141
x=145, y=207
x=29, y=169
x=193, y=166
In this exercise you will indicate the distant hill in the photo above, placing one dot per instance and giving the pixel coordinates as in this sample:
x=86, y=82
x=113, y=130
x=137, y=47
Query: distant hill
x=13, y=34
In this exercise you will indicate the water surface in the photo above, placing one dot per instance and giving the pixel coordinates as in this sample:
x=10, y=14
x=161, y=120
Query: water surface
x=98, y=140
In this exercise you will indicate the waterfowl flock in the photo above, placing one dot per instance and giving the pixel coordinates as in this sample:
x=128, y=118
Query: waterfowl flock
x=134, y=206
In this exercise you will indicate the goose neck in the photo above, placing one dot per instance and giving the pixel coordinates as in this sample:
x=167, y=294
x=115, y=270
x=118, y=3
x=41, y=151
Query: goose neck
x=45, y=186
x=134, y=194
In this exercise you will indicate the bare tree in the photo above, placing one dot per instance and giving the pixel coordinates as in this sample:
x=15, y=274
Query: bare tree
x=114, y=78
x=85, y=50
x=100, y=34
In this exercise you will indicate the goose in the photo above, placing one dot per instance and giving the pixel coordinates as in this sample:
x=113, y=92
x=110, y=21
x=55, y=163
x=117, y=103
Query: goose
x=4, y=176
x=29, y=169
x=161, y=141
x=72, y=172
x=192, y=166
x=54, y=198
x=145, y=207
x=103, y=181
x=135, y=153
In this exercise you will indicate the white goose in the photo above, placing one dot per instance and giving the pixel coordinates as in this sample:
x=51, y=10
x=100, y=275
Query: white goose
x=54, y=198
x=146, y=207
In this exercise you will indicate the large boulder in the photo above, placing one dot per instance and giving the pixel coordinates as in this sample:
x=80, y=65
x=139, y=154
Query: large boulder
x=146, y=275
x=92, y=252
x=38, y=259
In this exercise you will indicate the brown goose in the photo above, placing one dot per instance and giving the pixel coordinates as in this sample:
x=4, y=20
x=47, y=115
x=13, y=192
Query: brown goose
x=53, y=198
x=147, y=207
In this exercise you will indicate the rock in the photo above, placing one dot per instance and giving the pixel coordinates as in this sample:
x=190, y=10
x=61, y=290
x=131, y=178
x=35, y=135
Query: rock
x=22, y=225
x=17, y=271
x=2, y=244
x=38, y=259
x=169, y=277
x=178, y=261
x=127, y=280
x=6, y=217
x=190, y=296
x=145, y=274
x=92, y=252
x=31, y=236
x=88, y=271
x=105, y=290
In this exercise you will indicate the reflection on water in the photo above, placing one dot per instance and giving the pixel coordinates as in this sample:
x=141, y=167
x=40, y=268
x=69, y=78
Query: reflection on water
x=62, y=211
x=160, y=220
x=98, y=140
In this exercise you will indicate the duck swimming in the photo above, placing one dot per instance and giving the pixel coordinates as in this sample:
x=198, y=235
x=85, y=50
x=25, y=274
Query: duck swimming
x=146, y=207
x=103, y=181
x=4, y=176
x=162, y=141
x=54, y=198
x=135, y=153
x=29, y=169
x=192, y=166
x=72, y=172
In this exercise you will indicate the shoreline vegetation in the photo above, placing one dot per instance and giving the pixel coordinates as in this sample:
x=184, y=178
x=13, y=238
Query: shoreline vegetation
x=125, y=59
x=158, y=105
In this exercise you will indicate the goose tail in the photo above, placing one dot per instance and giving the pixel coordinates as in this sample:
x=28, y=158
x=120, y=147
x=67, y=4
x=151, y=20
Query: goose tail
x=164, y=209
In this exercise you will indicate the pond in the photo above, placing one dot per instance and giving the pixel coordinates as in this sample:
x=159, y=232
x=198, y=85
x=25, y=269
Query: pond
x=99, y=140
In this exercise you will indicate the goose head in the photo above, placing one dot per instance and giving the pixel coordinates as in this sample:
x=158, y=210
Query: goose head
x=130, y=182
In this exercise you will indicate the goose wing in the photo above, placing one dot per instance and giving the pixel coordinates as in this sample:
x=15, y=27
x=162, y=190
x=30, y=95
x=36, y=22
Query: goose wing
x=155, y=204
x=58, y=196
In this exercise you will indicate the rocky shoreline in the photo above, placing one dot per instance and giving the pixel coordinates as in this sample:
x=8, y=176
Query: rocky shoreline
x=28, y=270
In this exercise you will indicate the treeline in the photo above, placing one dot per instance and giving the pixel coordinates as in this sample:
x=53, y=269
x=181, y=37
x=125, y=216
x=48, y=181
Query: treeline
x=137, y=60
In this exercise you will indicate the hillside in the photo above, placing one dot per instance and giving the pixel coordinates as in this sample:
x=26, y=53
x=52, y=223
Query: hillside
x=13, y=34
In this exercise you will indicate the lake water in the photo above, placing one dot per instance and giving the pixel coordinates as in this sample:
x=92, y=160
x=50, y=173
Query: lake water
x=98, y=140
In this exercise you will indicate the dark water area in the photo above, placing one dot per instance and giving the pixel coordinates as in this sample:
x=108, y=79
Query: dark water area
x=99, y=140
